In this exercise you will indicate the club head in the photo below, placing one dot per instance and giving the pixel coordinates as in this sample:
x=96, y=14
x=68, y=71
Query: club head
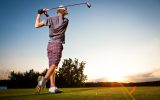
x=88, y=4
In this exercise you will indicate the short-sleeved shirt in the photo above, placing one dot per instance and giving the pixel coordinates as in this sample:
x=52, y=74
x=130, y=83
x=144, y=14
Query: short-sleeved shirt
x=57, y=28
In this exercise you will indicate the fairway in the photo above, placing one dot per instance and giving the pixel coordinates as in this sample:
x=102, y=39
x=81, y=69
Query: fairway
x=99, y=93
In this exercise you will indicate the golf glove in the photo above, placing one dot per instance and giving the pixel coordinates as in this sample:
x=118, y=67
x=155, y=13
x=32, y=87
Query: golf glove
x=41, y=11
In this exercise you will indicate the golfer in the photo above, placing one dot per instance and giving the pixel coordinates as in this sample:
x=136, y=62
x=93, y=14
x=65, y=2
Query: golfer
x=57, y=27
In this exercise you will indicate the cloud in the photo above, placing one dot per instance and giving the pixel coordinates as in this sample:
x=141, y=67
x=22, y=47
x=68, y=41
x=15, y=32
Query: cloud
x=150, y=76
x=141, y=77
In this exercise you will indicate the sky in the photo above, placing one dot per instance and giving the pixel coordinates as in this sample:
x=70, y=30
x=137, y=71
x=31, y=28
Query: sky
x=118, y=39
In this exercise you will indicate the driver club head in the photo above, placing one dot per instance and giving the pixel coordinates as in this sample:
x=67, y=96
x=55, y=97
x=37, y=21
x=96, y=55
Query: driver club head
x=88, y=4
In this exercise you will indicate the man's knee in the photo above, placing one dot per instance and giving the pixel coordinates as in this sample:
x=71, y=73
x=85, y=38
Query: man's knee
x=53, y=66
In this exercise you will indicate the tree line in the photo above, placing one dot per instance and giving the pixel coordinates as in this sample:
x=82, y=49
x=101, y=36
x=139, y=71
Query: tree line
x=71, y=74
x=117, y=84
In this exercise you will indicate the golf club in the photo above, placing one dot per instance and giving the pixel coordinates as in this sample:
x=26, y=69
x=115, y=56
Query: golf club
x=85, y=3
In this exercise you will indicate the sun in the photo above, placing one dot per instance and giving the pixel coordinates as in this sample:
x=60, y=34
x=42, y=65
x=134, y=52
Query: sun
x=115, y=75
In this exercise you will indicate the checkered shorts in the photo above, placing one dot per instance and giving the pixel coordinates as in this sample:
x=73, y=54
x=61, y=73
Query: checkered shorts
x=54, y=53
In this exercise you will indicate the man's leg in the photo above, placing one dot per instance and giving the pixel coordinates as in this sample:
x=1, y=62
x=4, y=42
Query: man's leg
x=52, y=79
x=50, y=71
x=42, y=80
x=53, y=89
x=54, y=55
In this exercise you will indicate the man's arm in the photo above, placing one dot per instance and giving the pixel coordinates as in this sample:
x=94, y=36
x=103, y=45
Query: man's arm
x=39, y=23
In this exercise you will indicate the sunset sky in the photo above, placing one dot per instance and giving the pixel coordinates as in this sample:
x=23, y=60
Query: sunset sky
x=118, y=39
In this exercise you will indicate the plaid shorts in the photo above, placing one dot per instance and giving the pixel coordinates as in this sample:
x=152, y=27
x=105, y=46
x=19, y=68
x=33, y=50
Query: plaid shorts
x=54, y=53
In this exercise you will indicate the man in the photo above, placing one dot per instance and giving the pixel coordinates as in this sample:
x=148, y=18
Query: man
x=57, y=27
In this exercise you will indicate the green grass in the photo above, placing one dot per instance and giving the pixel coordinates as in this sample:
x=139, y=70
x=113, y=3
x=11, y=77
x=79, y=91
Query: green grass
x=99, y=93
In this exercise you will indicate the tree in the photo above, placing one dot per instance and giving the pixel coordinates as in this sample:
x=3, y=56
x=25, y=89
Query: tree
x=23, y=80
x=71, y=73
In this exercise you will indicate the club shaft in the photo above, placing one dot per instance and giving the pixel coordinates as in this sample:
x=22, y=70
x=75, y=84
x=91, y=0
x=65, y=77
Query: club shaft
x=69, y=5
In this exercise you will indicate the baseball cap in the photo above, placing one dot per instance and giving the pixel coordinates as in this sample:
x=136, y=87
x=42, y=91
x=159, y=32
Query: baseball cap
x=61, y=7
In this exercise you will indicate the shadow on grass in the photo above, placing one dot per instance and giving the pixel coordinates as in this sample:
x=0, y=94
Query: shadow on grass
x=32, y=95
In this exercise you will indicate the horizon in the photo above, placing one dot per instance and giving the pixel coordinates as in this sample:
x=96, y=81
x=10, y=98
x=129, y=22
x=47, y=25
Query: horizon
x=4, y=75
x=118, y=39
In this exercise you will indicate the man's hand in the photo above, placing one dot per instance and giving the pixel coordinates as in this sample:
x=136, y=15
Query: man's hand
x=43, y=11
x=40, y=11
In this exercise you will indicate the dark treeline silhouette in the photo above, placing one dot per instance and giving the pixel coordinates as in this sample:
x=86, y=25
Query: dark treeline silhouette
x=151, y=83
x=69, y=75
x=23, y=80
x=11, y=84
x=117, y=84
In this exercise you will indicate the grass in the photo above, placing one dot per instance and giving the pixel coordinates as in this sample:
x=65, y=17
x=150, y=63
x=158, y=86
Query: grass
x=99, y=93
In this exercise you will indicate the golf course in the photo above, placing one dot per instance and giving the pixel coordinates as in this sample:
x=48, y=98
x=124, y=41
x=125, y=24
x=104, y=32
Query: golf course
x=80, y=50
x=96, y=93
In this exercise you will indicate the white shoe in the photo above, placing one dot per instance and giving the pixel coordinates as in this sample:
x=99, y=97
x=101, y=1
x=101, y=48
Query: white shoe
x=41, y=84
x=54, y=90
